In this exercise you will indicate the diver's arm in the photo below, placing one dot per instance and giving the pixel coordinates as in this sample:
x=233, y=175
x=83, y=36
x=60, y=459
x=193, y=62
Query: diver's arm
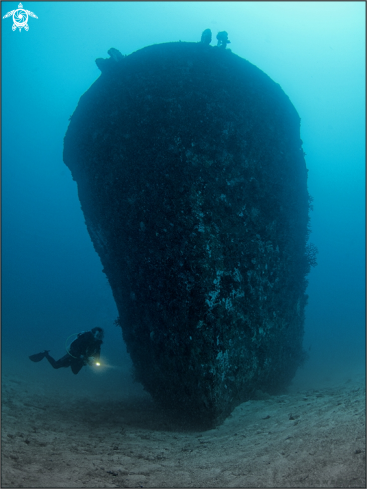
x=93, y=352
x=98, y=352
x=93, y=358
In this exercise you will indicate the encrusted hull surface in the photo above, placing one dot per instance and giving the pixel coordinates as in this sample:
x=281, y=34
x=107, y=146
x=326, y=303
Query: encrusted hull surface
x=193, y=184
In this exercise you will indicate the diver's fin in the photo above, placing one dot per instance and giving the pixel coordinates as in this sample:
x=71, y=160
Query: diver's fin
x=38, y=356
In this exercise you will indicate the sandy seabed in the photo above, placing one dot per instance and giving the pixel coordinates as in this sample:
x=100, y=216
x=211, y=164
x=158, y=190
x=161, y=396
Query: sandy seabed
x=56, y=435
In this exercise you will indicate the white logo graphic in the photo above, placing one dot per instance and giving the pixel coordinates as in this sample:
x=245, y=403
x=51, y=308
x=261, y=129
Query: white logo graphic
x=20, y=17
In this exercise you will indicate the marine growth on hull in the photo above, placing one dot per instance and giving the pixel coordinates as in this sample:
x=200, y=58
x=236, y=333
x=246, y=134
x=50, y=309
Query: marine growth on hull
x=193, y=184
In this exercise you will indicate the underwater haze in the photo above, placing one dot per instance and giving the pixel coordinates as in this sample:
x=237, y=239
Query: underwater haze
x=52, y=280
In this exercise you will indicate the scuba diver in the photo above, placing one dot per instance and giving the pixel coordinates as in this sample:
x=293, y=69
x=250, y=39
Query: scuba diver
x=84, y=350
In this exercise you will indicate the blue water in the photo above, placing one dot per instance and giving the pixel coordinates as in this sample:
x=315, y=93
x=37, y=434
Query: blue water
x=52, y=280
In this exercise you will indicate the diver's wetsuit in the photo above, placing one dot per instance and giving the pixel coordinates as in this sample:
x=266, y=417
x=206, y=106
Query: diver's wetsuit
x=85, y=345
